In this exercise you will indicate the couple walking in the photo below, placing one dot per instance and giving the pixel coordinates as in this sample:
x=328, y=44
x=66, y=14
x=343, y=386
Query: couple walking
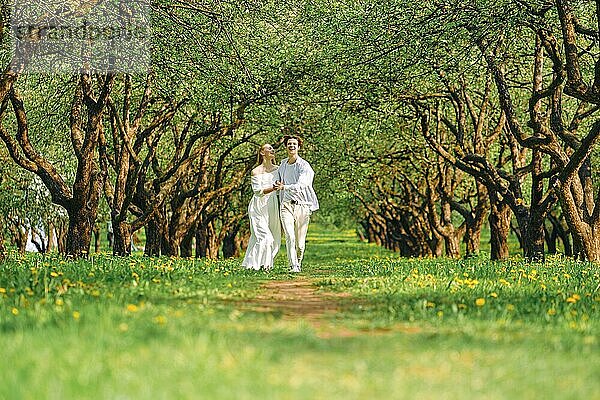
x=297, y=200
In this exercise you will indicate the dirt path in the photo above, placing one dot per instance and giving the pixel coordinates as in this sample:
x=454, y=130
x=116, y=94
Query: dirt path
x=300, y=299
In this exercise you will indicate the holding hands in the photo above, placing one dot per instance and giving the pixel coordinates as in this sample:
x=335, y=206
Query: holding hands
x=278, y=185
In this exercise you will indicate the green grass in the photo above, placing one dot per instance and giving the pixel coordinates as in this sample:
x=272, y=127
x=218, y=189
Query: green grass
x=140, y=328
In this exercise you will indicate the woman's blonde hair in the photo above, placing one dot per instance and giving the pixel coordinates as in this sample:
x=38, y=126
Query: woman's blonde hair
x=259, y=158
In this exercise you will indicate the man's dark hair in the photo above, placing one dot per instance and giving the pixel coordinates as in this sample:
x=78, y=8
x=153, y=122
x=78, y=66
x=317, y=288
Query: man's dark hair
x=288, y=137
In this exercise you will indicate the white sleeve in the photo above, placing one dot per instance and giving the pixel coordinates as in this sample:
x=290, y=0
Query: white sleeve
x=257, y=189
x=304, y=180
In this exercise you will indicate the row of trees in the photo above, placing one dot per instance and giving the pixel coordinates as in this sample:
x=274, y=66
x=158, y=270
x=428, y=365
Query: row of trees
x=490, y=112
x=427, y=121
x=167, y=151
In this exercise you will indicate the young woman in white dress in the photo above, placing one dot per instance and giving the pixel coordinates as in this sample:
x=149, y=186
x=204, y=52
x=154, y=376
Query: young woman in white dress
x=263, y=211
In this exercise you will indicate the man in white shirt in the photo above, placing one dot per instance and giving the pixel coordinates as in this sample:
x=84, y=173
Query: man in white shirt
x=298, y=200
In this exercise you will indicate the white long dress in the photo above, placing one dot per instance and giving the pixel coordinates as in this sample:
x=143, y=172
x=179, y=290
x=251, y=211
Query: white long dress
x=265, y=227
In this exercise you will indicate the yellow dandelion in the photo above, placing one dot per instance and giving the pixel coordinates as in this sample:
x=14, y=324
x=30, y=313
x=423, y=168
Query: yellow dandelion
x=440, y=314
x=494, y=294
x=59, y=302
x=576, y=296
x=53, y=274
x=571, y=300
x=510, y=307
x=132, y=308
x=472, y=283
x=551, y=311
x=76, y=315
x=2, y=290
x=480, y=302
x=160, y=320
x=15, y=311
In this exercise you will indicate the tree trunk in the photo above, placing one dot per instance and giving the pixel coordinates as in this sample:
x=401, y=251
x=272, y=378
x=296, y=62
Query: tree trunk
x=532, y=236
x=537, y=240
x=153, y=238
x=214, y=243
x=472, y=239
x=499, y=220
x=232, y=242
x=436, y=245
x=585, y=234
x=474, y=224
x=578, y=252
x=61, y=237
x=96, y=238
x=186, y=246
x=561, y=230
x=551, y=239
x=21, y=241
x=201, y=242
x=177, y=229
x=534, y=233
x=452, y=246
x=591, y=245
x=122, y=238
x=206, y=245
x=170, y=247
x=51, y=236
x=19, y=234
x=79, y=234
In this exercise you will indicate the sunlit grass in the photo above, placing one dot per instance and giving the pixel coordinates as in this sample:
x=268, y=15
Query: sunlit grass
x=172, y=328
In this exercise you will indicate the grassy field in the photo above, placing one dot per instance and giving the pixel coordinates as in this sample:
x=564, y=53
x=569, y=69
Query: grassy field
x=139, y=328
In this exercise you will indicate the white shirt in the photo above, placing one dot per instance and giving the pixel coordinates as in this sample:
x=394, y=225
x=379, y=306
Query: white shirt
x=297, y=181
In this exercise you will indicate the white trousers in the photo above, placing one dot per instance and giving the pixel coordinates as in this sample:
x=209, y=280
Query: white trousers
x=295, y=219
